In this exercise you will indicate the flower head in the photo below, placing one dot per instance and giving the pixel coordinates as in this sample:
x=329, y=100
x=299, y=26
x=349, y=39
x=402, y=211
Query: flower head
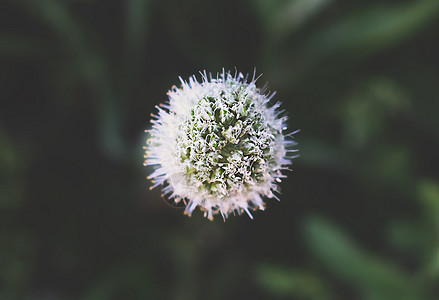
x=219, y=145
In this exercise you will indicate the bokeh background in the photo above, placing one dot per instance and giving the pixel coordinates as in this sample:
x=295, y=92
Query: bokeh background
x=358, y=216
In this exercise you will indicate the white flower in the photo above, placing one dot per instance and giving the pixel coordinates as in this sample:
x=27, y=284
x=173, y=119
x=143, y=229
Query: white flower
x=217, y=144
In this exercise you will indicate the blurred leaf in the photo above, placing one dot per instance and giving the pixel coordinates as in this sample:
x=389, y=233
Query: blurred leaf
x=94, y=68
x=411, y=237
x=16, y=263
x=280, y=281
x=319, y=153
x=12, y=167
x=429, y=197
x=373, y=29
x=365, y=112
x=21, y=46
x=267, y=9
x=56, y=15
x=136, y=31
x=356, y=36
x=293, y=14
x=186, y=256
x=434, y=266
x=377, y=278
x=390, y=166
x=123, y=282
x=136, y=25
x=9, y=158
x=227, y=278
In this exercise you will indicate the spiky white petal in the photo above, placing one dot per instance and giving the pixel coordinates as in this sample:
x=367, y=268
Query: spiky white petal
x=218, y=145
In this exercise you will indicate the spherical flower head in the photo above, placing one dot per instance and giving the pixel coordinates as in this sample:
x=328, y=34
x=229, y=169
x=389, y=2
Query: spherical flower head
x=218, y=144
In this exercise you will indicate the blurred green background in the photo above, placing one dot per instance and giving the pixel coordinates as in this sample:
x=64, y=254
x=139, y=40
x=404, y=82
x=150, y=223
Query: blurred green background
x=358, y=216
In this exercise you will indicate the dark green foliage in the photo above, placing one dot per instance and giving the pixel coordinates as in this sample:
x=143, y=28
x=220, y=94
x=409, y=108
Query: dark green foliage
x=358, y=216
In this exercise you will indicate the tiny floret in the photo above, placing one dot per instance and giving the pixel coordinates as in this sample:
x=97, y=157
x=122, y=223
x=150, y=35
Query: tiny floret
x=219, y=144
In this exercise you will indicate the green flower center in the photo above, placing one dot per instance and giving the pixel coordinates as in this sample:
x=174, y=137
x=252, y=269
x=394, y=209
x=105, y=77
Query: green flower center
x=226, y=145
